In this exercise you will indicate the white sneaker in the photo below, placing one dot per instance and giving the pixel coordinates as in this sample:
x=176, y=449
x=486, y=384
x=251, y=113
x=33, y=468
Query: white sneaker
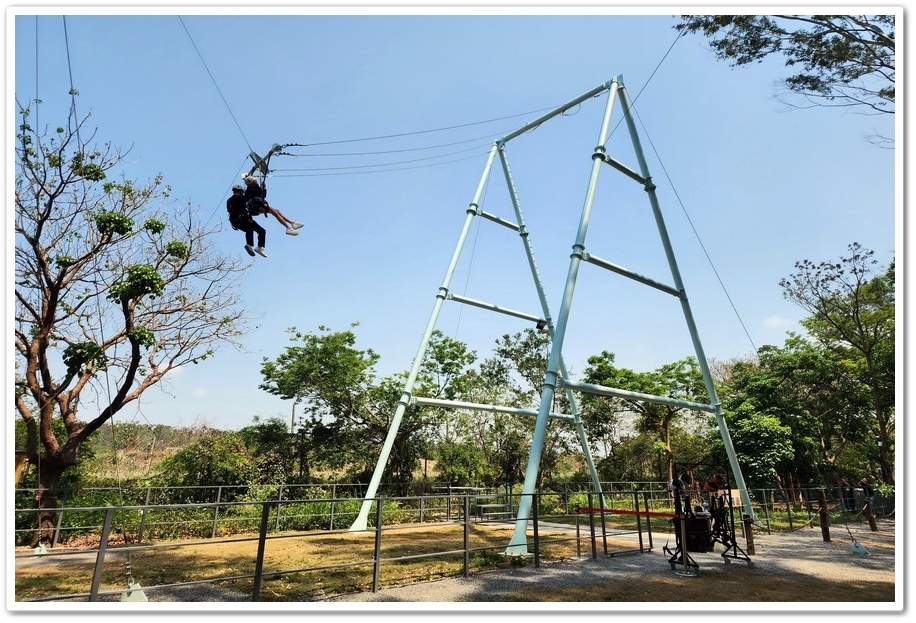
x=261, y=251
x=298, y=225
x=291, y=232
x=250, y=250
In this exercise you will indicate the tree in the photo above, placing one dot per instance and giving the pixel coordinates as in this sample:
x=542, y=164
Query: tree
x=350, y=408
x=113, y=292
x=853, y=315
x=272, y=444
x=841, y=60
x=682, y=380
x=809, y=393
x=214, y=459
x=763, y=445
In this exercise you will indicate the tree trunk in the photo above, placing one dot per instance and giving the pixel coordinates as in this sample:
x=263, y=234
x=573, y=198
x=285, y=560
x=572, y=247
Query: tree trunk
x=49, y=476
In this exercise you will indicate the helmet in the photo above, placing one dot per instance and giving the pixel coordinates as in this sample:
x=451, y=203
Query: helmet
x=249, y=179
x=237, y=187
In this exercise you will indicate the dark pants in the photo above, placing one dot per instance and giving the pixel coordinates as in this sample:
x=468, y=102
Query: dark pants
x=250, y=228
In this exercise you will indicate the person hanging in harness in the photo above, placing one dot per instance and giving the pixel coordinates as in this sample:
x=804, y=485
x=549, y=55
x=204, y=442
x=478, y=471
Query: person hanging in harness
x=256, y=196
x=241, y=220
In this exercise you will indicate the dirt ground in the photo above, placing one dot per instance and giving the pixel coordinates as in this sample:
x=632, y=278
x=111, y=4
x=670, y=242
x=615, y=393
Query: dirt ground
x=786, y=568
x=797, y=567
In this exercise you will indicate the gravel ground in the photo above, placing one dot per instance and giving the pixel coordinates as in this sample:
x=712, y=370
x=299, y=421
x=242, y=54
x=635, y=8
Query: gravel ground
x=795, y=554
x=799, y=555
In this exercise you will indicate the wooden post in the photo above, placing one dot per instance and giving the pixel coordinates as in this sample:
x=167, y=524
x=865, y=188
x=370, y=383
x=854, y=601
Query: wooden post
x=749, y=535
x=825, y=520
x=870, y=515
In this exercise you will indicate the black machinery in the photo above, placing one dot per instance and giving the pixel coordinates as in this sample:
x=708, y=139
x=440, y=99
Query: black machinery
x=704, y=516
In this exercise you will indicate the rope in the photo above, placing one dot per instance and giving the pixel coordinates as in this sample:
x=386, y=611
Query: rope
x=207, y=68
x=697, y=236
x=72, y=89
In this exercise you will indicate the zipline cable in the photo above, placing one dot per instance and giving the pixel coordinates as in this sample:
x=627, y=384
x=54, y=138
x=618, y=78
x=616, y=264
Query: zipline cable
x=72, y=89
x=207, y=68
x=697, y=235
x=417, y=132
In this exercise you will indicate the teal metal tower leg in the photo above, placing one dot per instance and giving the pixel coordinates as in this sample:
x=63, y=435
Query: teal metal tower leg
x=685, y=305
x=545, y=307
x=518, y=543
x=362, y=518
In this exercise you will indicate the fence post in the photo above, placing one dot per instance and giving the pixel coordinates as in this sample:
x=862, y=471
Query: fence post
x=788, y=508
x=262, y=543
x=870, y=515
x=100, y=557
x=219, y=497
x=822, y=511
x=638, y=518
x=749, y=534
x=376, y=567
x=467, y=536
x=143, y=516
x=591, y=526
x=60, y=518
x=279, y=500
x=578, y=538
x=333, y=504
x=535, y=502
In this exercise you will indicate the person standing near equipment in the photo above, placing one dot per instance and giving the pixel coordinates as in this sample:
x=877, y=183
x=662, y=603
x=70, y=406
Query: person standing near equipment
x=240, y=219
x=256, y=195
x=849, y=501
x=868, y=492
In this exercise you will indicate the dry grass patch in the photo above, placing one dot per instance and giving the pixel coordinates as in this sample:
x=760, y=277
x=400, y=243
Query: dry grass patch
x=298, y=566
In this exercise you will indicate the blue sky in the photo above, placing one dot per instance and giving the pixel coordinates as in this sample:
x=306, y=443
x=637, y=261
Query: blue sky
x=747, y=186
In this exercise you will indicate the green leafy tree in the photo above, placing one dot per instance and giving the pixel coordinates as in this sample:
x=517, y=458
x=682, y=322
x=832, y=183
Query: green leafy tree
x=114, y=289
x=817, y=396
x=764, y=445
x=216, y=458
x=272, y=445
x=525, y=355
x=350, y=408
x=839, y=60
x=682, y=380
x=852, y=307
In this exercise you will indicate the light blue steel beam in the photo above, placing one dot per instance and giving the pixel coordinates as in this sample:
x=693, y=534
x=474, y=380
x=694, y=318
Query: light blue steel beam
x=362, y=518
x=557, y=111
x=600, y=390
x=685, y=305
x=476, y=406
x=496, y=308
x=529, y=252
x=518, y=543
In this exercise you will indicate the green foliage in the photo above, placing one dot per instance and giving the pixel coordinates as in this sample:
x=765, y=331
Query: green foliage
x=764, y=447
x=177, y=250
x=273, y=448
x=461, y=463
x=87, y=170
x=682, y=380
x=78, y=355
x=143, y=336
x=216, y=458
x=142, y=280
x=154, y=226
x=113, y=223
x=852, y=315
x=64, y=261
x=841, y=59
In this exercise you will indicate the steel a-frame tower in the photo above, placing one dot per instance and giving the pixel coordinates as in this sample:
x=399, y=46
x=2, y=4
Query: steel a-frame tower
x=556, y=377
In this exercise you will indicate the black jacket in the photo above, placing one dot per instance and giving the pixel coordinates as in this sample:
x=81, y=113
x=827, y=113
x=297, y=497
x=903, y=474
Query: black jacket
x=236, y=207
